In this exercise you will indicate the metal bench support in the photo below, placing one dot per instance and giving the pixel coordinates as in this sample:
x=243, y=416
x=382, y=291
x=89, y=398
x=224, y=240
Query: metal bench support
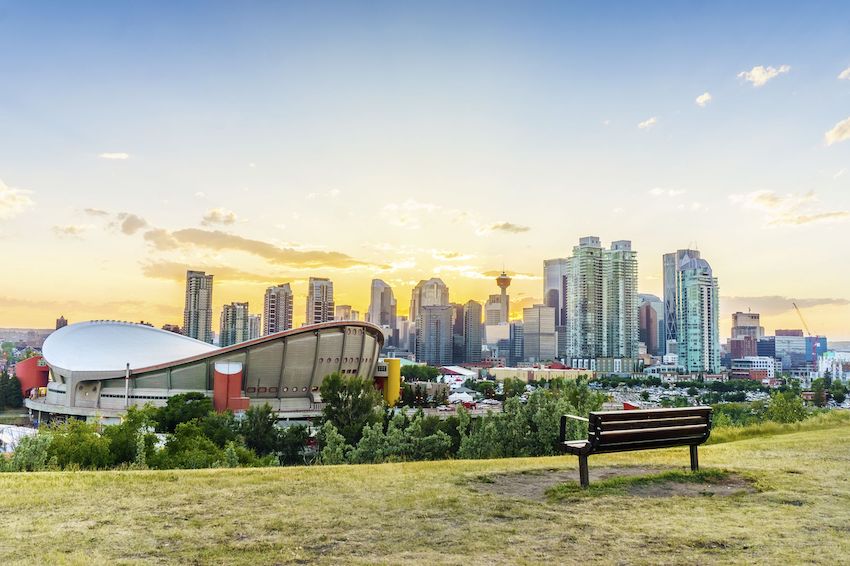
x=582, y=470
x=694, y=458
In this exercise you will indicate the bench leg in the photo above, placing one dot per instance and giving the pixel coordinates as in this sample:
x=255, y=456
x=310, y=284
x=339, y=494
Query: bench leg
x=582, y=470
x=694, y=459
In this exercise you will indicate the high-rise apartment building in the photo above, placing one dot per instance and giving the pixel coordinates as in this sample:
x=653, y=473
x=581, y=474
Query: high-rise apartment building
x=345, y=312
x=601, y=309
x=234, y=324
x=538, y=333
x=197, y=312
x=434, y=335
x=254, y=326
x=472, y=332
x=671, y=263
x=620, y=301
x=747, y=324
x=555, y=285
x=277, y=309
x=383, y=311
x=697, y=333
x=320, y=301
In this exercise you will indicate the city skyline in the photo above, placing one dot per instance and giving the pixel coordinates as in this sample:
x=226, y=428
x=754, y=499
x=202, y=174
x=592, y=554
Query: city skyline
x=464, y=140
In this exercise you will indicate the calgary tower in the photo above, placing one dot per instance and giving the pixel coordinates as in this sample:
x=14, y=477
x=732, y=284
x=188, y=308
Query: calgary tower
x=503, y=281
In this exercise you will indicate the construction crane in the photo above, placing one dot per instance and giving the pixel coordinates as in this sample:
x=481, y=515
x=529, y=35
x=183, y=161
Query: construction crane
x=815, y=343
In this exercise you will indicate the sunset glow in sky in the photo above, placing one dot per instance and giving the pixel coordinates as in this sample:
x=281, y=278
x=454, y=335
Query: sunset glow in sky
x=266, y=142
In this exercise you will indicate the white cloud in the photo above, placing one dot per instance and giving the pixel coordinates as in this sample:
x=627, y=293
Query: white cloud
x=845, y=74
x=200, y=194
x=659, y=192
x=788, y=209
x=218, y=216
x=759, y=75
x=71, y=230
x=703, y=99
x=13, y=201
x=116, y=155
x=252, y=165
x=649, y=123
x=839, y=173
x=839, y=132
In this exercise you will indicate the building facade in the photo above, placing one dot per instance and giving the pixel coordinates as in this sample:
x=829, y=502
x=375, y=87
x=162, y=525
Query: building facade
x=277, y=309
x=320, y=301
x=555, y=285
x=538, y=333
x=697, y=302
x=651, y=323
x=670, y=265
x=234, y=324
x=434, y=335
x=383, y=311
x=472, y=332
x=197, y=312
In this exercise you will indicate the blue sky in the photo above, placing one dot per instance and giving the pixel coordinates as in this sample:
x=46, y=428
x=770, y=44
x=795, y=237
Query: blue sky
x=400, y=134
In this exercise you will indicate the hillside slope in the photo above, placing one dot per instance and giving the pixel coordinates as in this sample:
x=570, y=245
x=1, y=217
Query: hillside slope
x=438, y=512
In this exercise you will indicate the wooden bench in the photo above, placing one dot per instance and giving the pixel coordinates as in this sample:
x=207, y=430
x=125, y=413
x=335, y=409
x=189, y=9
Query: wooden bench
x=621, y=431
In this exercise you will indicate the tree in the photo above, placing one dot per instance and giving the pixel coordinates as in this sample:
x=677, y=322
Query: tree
x=513, y=387
x=785, y=408
x=77, y=444
x=188, y=448
x=819, y=392
x=351, y=403
x=182, y=408
x=838, y=391
x=259, y=430
x=131, y=435
x=334, y=448
x=644, y=395
x=291, y=442
x=14, y=398
x=221, y=428
x=420, y=373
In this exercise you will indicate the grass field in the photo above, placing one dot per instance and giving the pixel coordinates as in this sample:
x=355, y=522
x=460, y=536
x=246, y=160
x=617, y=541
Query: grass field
x=797, y=510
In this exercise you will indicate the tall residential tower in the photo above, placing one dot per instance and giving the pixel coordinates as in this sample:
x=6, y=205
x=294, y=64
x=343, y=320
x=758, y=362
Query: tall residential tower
x=197, y=312
x=277, y=309
x=320, y=301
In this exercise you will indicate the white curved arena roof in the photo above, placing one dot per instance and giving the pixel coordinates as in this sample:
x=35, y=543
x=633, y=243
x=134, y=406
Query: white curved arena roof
x=106, y=345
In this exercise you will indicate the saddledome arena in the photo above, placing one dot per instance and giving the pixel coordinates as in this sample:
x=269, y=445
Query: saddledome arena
x=99, y=368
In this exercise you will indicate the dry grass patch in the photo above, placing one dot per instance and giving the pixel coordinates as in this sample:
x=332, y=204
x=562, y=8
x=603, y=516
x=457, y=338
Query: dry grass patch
x=437, y=512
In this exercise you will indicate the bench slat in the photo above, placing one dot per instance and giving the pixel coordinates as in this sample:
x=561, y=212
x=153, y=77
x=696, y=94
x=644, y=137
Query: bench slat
x=640, y=414
x=653, y=423
x=663, y=433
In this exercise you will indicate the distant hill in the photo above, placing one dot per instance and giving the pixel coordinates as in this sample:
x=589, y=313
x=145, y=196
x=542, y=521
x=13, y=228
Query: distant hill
x=839, y=346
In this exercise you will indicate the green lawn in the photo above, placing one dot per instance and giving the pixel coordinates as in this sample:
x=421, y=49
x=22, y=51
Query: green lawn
x=441, y=512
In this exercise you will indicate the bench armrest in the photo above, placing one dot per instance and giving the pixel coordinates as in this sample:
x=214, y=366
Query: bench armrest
x=563, y=435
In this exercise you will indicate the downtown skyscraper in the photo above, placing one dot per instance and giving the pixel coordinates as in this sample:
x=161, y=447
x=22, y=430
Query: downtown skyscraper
x=320, y=301
x=698, y=335
x=601, y=304
x=277, y=309
x=197, y=312
x=382, y=311
x=235, y=325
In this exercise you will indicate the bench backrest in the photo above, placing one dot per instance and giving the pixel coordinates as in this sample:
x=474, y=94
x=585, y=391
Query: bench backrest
x=613, y=431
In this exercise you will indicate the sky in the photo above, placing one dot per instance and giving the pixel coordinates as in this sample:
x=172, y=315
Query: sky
x=267, y=142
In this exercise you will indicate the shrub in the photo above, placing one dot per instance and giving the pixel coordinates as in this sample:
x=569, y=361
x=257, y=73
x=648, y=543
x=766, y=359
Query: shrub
x=32, y=454
x=77, y=444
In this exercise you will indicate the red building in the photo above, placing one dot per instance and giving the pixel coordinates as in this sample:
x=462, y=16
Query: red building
x=31, y=372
